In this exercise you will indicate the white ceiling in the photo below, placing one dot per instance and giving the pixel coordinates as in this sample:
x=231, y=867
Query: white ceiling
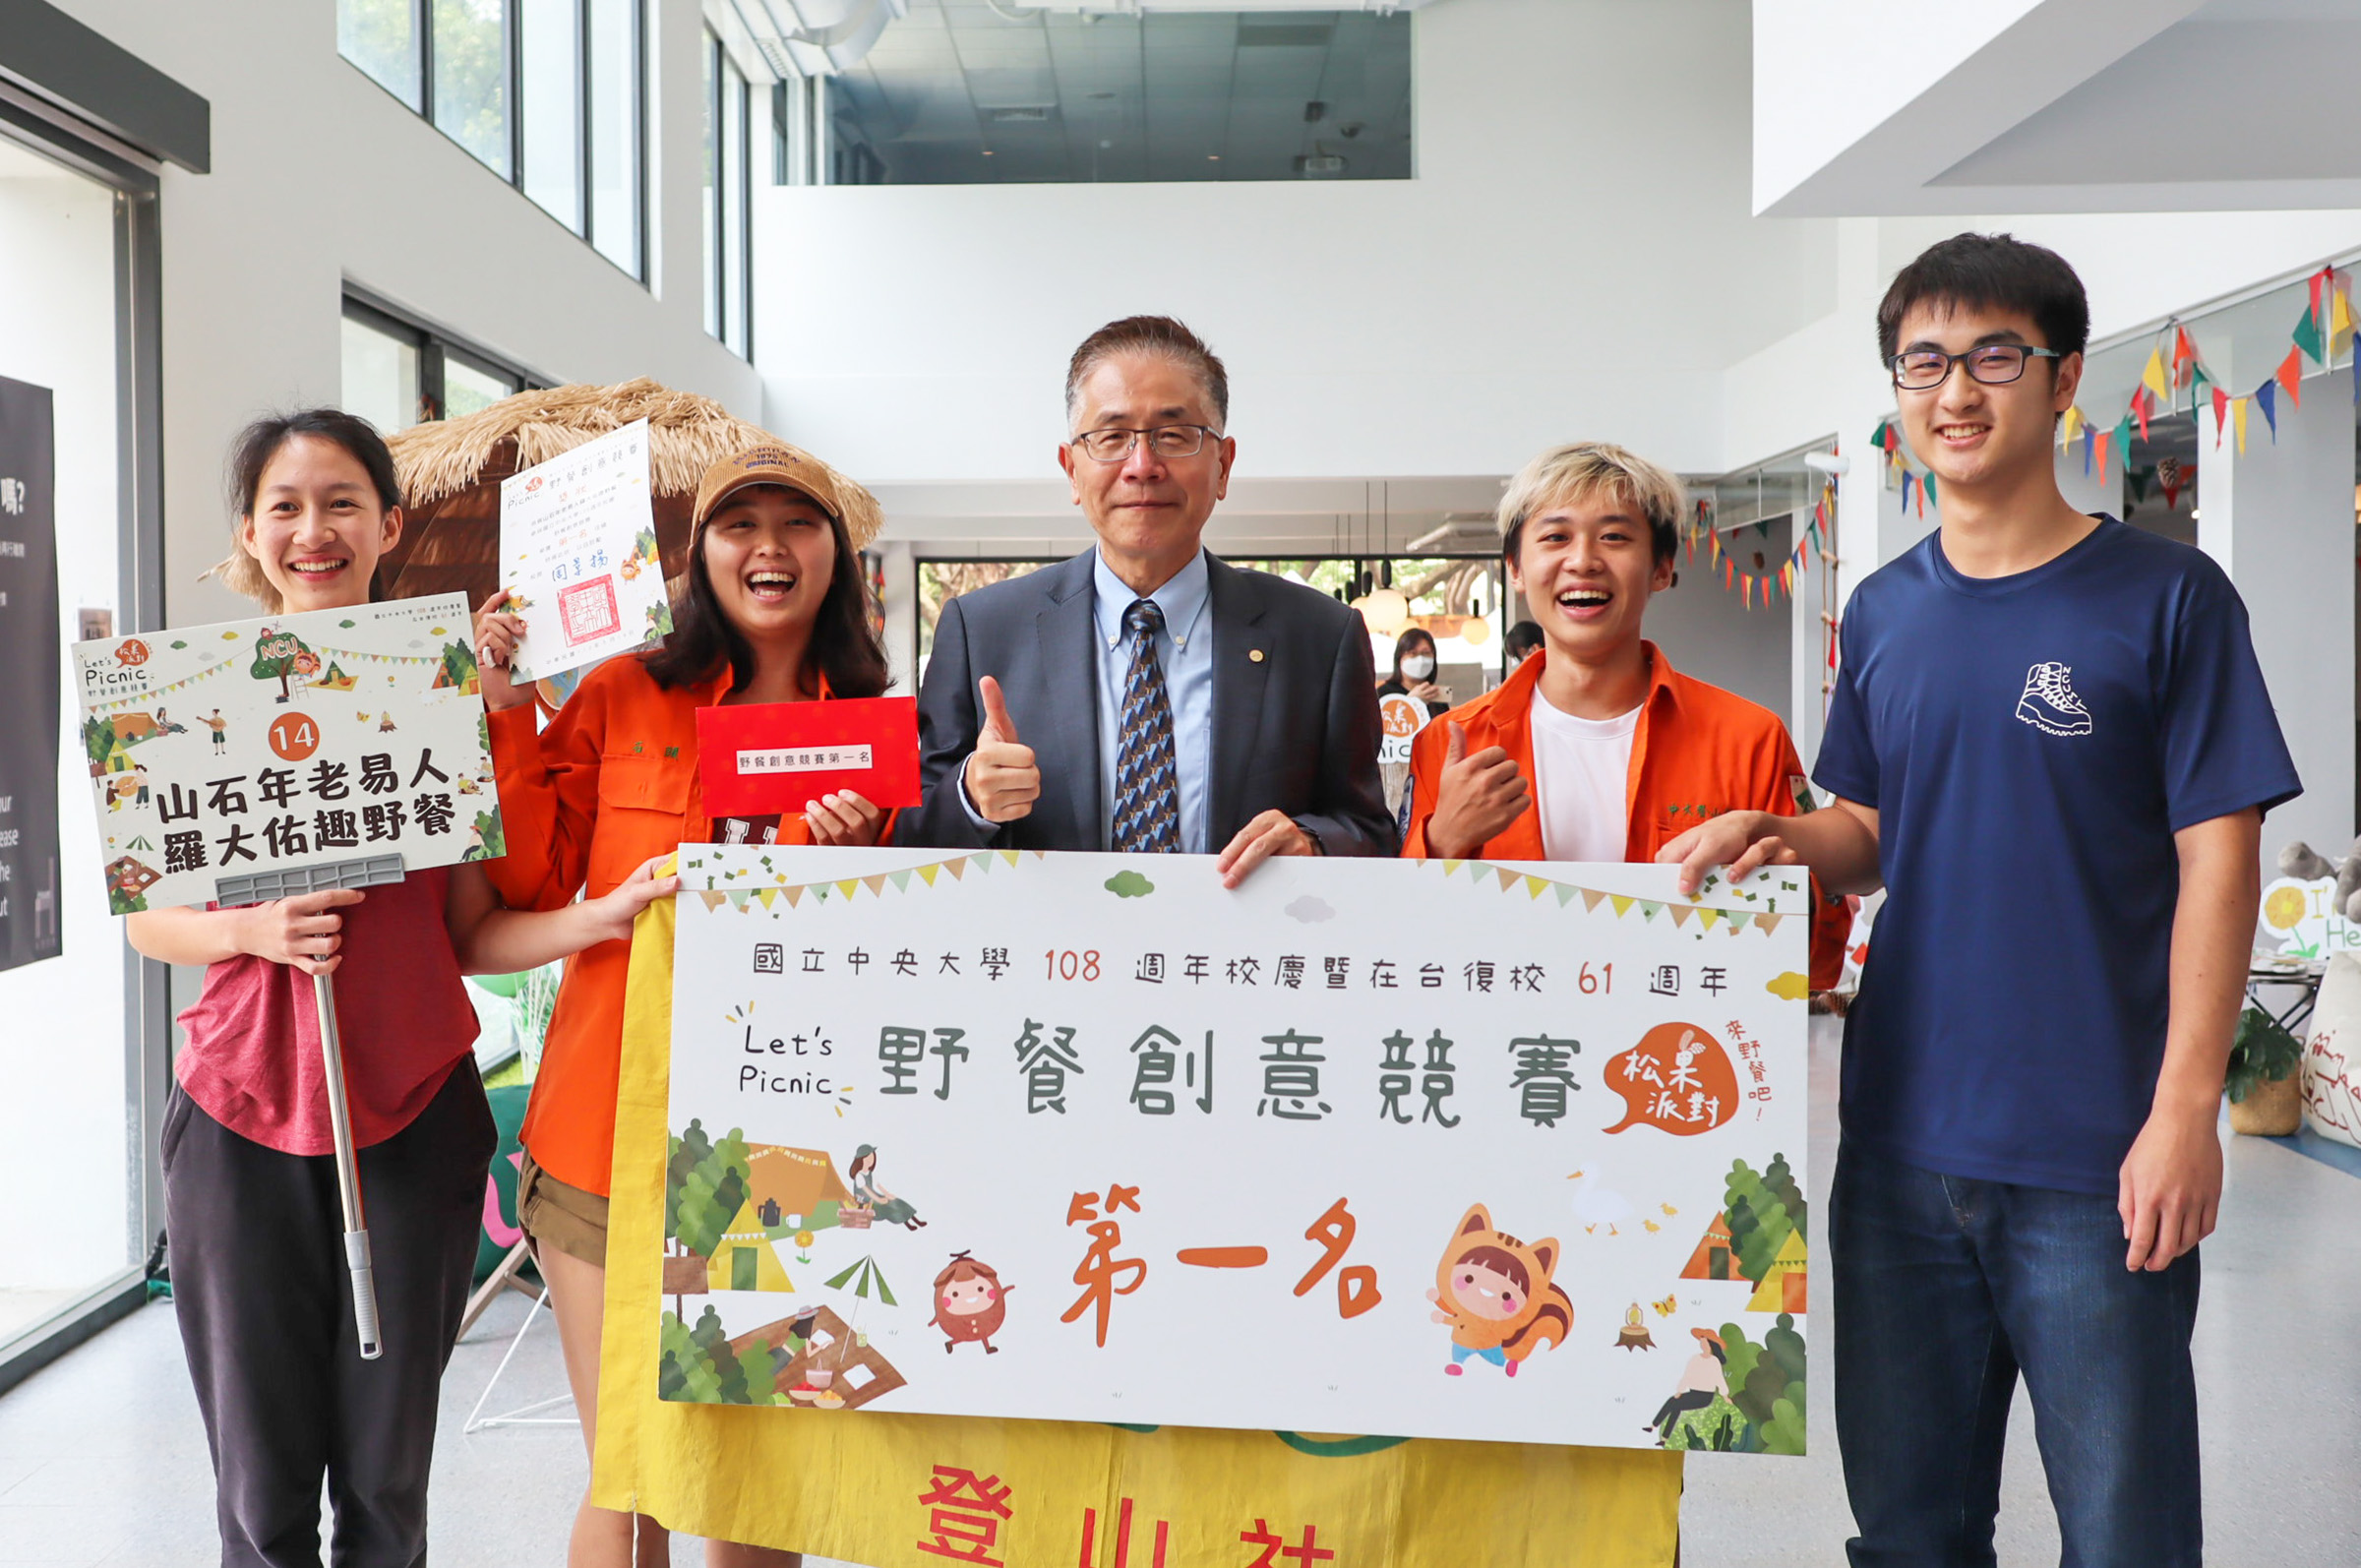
x=2097, y=106
x=957, y=93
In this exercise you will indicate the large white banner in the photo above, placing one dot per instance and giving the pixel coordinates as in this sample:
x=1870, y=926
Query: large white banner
x=284, y=742
x=1425, y=1149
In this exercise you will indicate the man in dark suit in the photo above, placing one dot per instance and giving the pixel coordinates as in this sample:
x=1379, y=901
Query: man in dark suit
x=1166, y=701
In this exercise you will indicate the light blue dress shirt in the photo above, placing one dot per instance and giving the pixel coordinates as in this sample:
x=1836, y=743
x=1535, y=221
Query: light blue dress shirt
x=1184, y=649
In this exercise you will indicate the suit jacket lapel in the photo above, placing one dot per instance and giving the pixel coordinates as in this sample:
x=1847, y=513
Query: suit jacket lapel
x=1069, y=702
x=1242, y=656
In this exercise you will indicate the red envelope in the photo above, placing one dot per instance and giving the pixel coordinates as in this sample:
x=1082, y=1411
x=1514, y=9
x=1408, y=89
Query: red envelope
x=767, y=757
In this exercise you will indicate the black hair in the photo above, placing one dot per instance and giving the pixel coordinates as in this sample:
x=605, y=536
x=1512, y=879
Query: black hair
x=1990, y=272
x=260, y=441
x=844, y=639
x=1522, y=638
x=1411, y=634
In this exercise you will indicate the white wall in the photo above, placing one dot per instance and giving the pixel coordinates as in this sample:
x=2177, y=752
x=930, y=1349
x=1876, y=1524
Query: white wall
x=1574, y=259
x=318, y=176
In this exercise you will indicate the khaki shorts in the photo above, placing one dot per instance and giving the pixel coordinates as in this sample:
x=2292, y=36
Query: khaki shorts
x=557, y=1215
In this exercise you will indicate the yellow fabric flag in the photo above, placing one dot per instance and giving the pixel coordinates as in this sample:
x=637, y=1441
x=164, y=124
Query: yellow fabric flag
x=2153, y=378
x=916, y=1492
x=2238, y=418
x=2070, y=426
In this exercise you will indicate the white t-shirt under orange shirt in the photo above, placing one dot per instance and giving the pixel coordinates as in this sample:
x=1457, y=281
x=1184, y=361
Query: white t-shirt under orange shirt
x=1582, y=768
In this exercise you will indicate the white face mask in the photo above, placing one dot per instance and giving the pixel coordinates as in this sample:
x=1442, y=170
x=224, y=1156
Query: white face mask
x=1418, y=667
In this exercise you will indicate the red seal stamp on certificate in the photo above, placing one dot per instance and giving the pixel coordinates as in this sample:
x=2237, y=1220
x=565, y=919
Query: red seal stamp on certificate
x=587, y=610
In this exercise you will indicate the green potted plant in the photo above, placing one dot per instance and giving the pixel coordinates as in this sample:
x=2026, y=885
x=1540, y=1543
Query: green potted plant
x=2265, y=1096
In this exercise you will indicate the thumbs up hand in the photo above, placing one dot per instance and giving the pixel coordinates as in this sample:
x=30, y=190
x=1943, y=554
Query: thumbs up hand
x=1001, y=778
x=1475, y=799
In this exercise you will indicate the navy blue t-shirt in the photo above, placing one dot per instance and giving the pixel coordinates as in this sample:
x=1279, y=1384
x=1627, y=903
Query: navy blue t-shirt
x=2031, y=743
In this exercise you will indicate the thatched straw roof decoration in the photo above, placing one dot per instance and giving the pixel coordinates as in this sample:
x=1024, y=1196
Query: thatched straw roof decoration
x=687, y=433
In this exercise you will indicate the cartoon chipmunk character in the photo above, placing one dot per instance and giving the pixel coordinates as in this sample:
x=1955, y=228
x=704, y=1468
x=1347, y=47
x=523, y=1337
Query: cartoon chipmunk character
x=970, y=1303
x=1494, y=1292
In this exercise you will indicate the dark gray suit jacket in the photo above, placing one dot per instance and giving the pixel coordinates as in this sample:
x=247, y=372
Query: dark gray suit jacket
x=1294, y=711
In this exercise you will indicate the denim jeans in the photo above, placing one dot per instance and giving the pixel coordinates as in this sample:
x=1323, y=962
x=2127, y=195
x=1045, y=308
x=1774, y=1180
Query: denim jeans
x=1945, y=1289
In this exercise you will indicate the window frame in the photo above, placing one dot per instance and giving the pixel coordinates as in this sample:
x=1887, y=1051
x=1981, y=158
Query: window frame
x=435, y=348
x=585, y=151
x=729, y=313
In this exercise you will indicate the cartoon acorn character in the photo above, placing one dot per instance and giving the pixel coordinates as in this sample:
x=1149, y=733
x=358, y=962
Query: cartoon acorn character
x=970, y=1303
x=1496, y=1293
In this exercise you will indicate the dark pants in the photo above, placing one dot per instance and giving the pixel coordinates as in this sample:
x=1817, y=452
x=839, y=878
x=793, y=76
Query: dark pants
x=265, y=1303
x=1945, y=1290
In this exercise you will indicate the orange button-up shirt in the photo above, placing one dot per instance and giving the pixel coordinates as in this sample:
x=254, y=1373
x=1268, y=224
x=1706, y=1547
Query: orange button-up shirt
x=610, y=782
x=1697, y=751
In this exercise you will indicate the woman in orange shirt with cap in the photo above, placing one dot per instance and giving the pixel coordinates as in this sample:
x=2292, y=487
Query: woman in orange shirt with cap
x=774, y=610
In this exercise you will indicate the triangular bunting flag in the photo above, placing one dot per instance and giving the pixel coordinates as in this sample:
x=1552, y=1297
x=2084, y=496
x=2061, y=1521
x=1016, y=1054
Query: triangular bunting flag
x=876, y=884
x=957, y=868
x=2221, y=414
x=846, y=887
x=1508, y=878
x=1648, y=910
x=2306, y=336
x=769, y=896
x=1451, y=866
x=2153, y=378
x=1011, y=856
x=1590, y=897
x=1622, y=903
x=713, y=900
x=2291, y=376
x=1565, y=894
x=2238, y=418
x=2267, y=398
x=1681, y=914
x=925, y=873
x=2069, y=426
x=2089, y=446
x=1534, y=886
x=1769, y=923
x=2139, y=406
x=1738, y=919
x=795, y=895
x=2104, y=438
x=2341, y=315
x=901, y=881
x=1707, y=917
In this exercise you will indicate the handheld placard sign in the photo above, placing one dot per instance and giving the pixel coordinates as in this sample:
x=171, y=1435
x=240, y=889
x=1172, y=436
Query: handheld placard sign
x=284, y=754
x=770, y=758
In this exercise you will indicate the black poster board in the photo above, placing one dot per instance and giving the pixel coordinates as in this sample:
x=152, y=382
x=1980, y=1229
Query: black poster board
x=31, y=654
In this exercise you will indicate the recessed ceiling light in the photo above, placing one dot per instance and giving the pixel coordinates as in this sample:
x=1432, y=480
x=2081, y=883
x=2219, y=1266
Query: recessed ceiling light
x=1216, y=158
x=988, y=152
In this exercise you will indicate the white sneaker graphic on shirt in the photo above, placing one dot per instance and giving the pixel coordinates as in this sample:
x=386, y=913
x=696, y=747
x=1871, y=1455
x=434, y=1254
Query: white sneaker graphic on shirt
x=2049, y=704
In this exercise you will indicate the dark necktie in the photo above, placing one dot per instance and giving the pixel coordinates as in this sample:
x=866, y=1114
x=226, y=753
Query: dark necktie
x=1147, y=782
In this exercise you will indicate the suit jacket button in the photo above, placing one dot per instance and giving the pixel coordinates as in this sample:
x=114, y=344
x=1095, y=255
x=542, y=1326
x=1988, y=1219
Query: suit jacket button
x=1254, y=654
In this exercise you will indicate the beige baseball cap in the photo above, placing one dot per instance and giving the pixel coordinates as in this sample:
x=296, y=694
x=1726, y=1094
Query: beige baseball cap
x=769, y=464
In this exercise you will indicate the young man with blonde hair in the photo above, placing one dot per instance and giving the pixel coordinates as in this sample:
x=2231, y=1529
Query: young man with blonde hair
x=1598, y=750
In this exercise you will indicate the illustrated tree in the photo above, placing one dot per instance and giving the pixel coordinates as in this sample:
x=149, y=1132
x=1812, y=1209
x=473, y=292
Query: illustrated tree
x=708, y=1192
x=99, y=740
x=1783, y=1185
x=1759, y=1222
x=713, y=1343
x=275, y=658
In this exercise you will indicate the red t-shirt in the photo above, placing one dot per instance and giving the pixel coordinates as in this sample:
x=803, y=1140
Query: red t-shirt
x=252, y=1060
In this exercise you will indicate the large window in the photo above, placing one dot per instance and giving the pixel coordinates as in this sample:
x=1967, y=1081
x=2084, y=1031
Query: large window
x=961, y=93
x=728, y=191
x=399, y=373
x=549, y=95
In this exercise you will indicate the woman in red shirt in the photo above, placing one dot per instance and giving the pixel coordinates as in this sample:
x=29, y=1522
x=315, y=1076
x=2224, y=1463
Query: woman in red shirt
x=251, y=1203
x=773, y=610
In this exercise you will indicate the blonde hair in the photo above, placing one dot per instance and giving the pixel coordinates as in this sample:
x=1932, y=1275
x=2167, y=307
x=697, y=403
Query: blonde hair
x=1577, y=471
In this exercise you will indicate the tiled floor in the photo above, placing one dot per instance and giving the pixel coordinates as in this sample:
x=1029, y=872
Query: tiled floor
x=102, y=1457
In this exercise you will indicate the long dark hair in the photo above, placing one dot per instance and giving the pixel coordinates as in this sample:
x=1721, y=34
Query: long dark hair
x=844, y=644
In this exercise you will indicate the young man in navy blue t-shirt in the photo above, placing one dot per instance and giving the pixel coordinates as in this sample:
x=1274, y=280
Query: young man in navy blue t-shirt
x=2049, y=740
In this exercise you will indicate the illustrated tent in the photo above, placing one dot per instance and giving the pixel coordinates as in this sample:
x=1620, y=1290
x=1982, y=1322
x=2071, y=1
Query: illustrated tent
x=1783, y=1287
x=1717, y=1256
x=797, y=1181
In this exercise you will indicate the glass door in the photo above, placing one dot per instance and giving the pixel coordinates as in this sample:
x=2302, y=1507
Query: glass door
x=82, y=1046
